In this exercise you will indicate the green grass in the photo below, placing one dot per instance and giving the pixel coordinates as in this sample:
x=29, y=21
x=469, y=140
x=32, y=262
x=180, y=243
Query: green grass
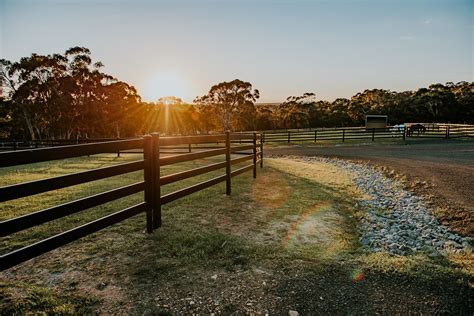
x=37, y=298
x=287, y=215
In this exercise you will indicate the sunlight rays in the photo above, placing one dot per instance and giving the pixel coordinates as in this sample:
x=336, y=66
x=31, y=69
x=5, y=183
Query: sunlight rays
x=165, y=83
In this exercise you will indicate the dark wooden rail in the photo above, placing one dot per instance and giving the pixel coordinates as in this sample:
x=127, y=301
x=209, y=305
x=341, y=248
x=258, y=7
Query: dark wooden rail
x=20, y=190
x=343, y=134
x=434, y=130
x=248, y=145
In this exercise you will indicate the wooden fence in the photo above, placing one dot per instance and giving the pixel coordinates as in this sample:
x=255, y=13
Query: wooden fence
x=433, y=130
x=364, y=134
x=249, y=146
x=15, y=144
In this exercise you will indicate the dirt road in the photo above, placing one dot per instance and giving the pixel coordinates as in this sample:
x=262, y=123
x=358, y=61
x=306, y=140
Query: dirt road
x=441, y=171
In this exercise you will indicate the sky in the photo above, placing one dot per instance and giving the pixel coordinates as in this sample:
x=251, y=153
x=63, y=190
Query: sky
x=332, y=48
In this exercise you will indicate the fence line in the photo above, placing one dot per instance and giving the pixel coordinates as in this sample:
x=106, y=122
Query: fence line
x=151, y=164
x=433, y=130
x=14, y=144
x=369, y=134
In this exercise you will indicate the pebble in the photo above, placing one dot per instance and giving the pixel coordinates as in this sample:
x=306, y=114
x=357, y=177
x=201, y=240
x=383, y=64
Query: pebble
x=395, y=220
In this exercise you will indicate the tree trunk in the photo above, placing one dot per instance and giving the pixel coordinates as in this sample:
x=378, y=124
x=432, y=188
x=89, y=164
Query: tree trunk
x=28, y=122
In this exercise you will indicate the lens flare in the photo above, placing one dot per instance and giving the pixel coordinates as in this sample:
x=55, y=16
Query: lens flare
x=357, y=275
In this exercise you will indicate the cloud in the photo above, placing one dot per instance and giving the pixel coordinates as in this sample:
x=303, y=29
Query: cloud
x=427, y=21
x=407, y=38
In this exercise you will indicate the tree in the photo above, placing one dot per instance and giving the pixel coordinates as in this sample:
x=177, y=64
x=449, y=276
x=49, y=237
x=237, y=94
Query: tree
x=265, y=118
x=295, y=112
x=464, y=94
x=14, y=86
x=61, y=96
x=232, y=102
x=6, y=122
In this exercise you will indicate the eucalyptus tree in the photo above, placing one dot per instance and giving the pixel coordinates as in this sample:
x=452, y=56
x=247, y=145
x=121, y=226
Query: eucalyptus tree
x=16, y=84
x=296, y=111
x=59, y=95
x=265, y=118
x=464, y=94
x=233, y=104
x=6, y=121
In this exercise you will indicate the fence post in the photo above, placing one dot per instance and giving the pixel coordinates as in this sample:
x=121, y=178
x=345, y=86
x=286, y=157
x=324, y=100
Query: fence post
x=189, y=148
x=254, y=155
x=263, y=137
x=447, y=132
x=343, y=134
x=404, y=133
x=261, y=150
x=148, y=177
x=156, y=181
x=14, y=144
x=289, y=136
x=227, y=167
x=315, y=135
x=373, y=134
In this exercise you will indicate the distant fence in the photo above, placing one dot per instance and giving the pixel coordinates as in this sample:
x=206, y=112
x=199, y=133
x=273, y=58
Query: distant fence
x=18, y=144
x=250, y=146
x=15, y=144
x=433, y=130
x=441, y=131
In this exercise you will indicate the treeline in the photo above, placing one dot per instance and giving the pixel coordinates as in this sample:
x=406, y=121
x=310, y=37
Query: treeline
x=67, y=96
x=63, y=96
x=447, y=103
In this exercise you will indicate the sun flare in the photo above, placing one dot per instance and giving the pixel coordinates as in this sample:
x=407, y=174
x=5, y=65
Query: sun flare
x=164, y=84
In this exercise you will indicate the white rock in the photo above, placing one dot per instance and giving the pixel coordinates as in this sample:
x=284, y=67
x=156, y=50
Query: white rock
x=394, y=214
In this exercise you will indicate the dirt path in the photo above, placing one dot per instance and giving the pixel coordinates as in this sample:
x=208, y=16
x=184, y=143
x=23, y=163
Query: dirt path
x=442, y=172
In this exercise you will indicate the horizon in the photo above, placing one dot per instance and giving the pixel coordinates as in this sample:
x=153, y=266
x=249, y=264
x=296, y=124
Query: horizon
x=334, y=49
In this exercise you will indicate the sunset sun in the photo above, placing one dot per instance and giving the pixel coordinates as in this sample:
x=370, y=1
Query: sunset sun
x=163, y=84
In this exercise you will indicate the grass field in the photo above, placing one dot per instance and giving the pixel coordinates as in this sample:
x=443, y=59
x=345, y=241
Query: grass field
x=287, y=240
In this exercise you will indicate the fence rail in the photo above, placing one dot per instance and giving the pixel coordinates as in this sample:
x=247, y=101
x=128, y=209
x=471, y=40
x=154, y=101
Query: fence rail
x=151, y=146
x=191, y=142
x=368, y=134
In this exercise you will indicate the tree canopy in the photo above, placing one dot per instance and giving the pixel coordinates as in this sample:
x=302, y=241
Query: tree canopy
x=232, y=102
x=64, y=95
x=449, y=103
